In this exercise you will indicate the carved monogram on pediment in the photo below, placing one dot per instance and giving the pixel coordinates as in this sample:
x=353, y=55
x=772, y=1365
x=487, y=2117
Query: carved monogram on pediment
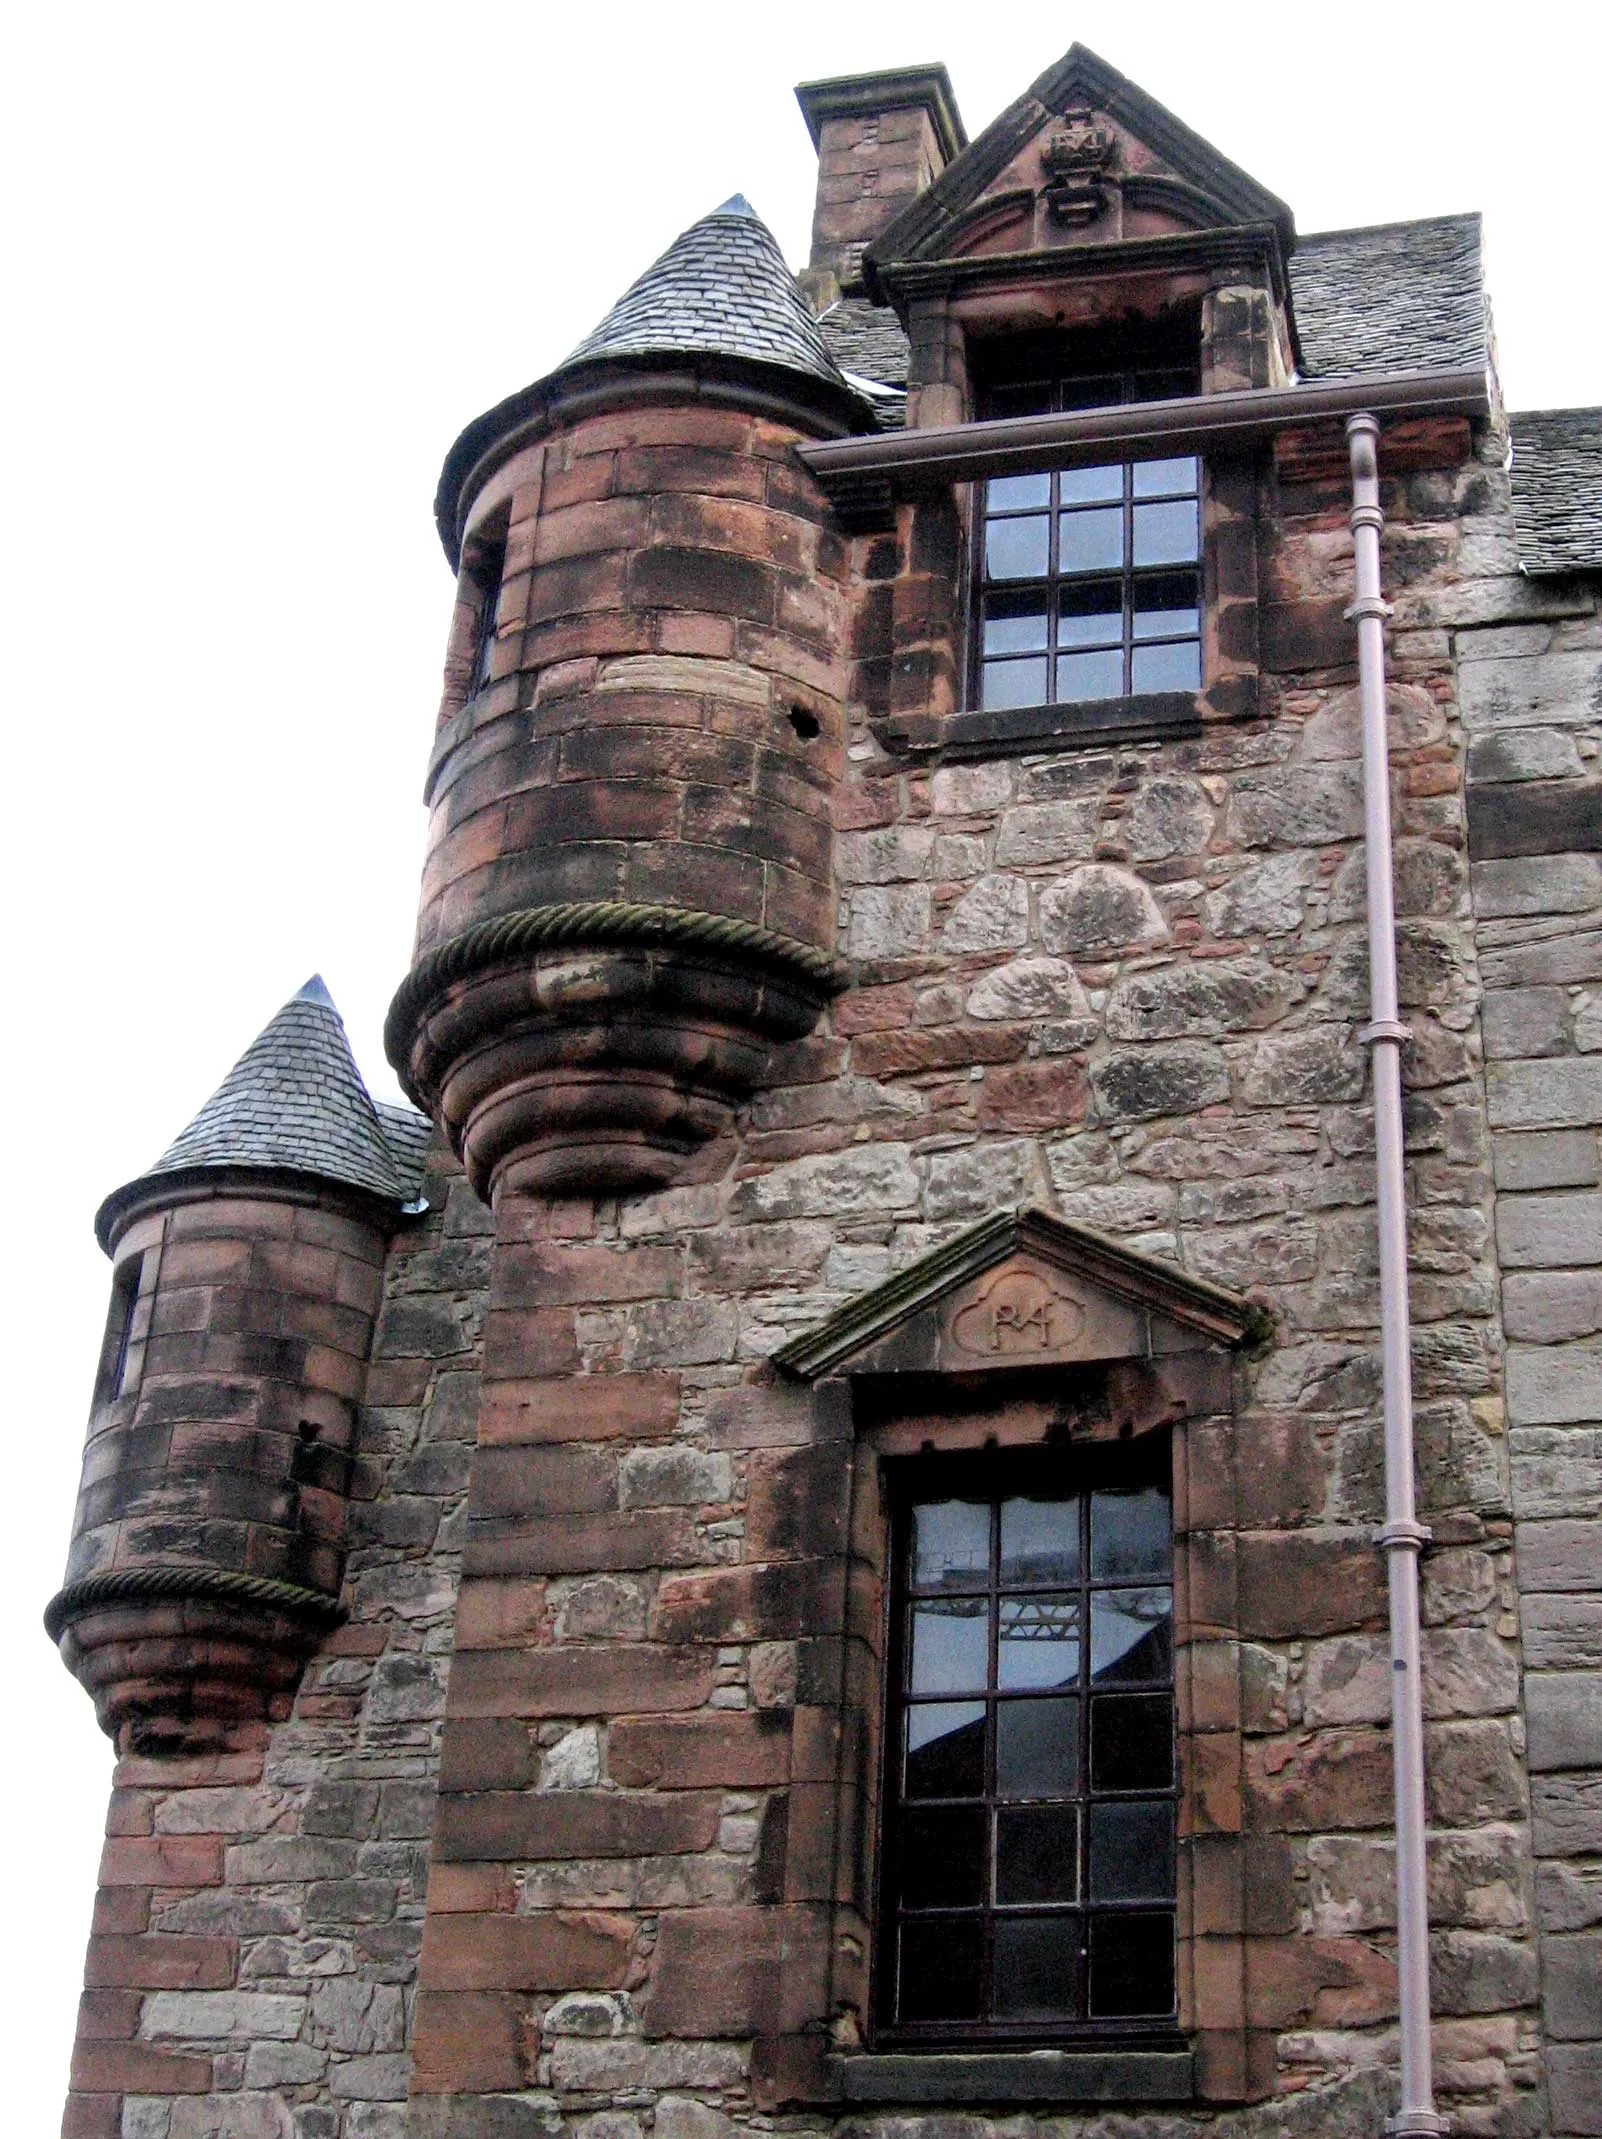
x=1017, y=1314
x=1078, y=159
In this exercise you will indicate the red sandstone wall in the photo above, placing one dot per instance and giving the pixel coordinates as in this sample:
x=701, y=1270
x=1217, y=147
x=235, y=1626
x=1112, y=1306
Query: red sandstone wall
x=663, y=723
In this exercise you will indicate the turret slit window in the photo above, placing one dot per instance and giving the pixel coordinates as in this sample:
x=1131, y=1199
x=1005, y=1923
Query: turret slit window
x=1027, y=1886
x=1089, y=579
x=488, y=569
x=118, y=1364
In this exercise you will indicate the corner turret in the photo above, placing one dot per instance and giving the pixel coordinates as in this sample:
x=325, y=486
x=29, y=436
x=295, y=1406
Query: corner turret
x=627, y=897
x=208, y=1542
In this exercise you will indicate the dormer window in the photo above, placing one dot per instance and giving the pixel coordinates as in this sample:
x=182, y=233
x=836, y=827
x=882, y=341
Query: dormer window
x=1089, y=579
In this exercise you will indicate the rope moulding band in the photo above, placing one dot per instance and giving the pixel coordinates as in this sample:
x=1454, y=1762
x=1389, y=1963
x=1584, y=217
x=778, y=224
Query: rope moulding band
x=134, y=1585
x=612, y=924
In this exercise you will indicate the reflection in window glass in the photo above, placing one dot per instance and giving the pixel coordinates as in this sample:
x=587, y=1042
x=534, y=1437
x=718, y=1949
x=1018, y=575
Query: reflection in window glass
x=1131, y=1534
x=1131, y=1635
x=949, y=1645
x=1132, y=1851
x=1093, y=573
x=1039, y=1542
x=1020, y=493
x=1037, y=1642
x=951, y=1547
x=1014, y=683
x=1037, y=1748
x=1018, y=549
x=1029, y=1861
x=946, y=1749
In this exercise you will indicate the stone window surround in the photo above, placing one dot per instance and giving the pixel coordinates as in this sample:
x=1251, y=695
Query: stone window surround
x=1228, y=280
x=1192, y=1397
x=986, y=1477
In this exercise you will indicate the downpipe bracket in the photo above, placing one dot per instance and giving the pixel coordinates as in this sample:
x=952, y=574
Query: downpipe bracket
x=1429, y=2123
x=1404, y=1535
x=1367, y=605
x=1383, y=1029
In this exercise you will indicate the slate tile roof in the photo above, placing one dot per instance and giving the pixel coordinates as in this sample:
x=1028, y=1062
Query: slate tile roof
x=868, y=342
x=1557, y=489
x=1393, y=297
x=866, y=338
x=721, y=289
x=295, y=1101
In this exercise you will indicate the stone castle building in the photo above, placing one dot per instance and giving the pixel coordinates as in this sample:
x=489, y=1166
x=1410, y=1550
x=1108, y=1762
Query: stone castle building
x=829, y=1536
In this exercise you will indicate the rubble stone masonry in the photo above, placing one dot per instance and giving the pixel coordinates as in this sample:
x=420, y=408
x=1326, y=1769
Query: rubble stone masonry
x=569, y=1831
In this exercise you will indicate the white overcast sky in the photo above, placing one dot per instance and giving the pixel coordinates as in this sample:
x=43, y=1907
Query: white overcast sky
x=261, y=265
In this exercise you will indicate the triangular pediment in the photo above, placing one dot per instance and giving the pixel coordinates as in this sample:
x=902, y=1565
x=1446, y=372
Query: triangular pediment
x=1083, y=156
x=1022, y=1289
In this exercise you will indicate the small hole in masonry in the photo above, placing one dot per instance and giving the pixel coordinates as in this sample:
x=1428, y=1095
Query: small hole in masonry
x=805, y=724
x=308, y=1429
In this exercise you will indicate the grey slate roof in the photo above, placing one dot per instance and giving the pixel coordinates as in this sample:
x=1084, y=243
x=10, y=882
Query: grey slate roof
x=295, y=1102
x=1557, y=489
x=721, y=289
x=866, y=338
x=1394, y=297
x=1397, y=297
x=869, y=345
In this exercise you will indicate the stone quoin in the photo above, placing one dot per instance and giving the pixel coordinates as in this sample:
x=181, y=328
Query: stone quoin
x=794, y=1544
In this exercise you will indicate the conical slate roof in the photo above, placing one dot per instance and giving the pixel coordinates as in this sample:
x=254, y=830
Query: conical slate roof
x=720, y=292
x=295, y=1102
x=721, y=289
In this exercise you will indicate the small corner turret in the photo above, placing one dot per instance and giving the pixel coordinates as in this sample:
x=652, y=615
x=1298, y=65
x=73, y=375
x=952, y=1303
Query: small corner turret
x=208, y=1543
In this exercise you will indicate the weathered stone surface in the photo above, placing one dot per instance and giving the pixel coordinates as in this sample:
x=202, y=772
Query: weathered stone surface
x=1555, y=1305
x=1029, y=988
x=1559, y=1555
x=1098, y=910
x=1310, y=1068
x=1571, y=1988
x=1549, y=884
x=1564, y=1711
x=1549, y=1232
x=889, y=922
x=1193, y=1001
x=1566, y=1815
x=1563, y=1633
x=1041, y=832
x=1141, y=1084
x=1568, y=1898
x=993, y=916
x=1265, y=900
x=1574, y=2088
x=1555, y=1383
x=1551, y=1158
x=1561, y=1094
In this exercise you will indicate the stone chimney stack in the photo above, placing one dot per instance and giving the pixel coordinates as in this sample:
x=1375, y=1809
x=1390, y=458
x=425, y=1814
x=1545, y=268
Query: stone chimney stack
x=881, y=140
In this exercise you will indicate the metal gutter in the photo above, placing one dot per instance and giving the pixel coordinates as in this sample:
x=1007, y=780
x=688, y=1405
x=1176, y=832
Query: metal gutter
x=1403, y=1537
x=865, y=475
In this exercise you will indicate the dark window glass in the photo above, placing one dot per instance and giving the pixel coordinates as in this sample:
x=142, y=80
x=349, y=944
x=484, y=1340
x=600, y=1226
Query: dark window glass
x=487, y=574
x=1090, y=578
x=117, y=1351
x=1029, y=1856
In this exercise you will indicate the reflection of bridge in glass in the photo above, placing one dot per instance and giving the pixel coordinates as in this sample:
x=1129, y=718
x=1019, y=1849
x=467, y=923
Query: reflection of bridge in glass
x=1040, y=1618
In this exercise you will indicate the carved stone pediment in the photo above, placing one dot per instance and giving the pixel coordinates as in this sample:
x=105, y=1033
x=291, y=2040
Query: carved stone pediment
x=1023, y=1289
x=1076, y=161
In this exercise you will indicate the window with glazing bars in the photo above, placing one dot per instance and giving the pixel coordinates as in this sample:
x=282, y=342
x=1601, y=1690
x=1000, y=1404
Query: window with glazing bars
x=1089, y=579
x=1027, y=1878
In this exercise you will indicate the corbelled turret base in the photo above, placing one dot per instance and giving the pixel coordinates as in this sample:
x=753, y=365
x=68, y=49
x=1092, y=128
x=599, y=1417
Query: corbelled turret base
x=591, y=1049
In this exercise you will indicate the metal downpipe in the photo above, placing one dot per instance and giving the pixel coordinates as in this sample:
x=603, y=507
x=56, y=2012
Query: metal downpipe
x=1403, y=1536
